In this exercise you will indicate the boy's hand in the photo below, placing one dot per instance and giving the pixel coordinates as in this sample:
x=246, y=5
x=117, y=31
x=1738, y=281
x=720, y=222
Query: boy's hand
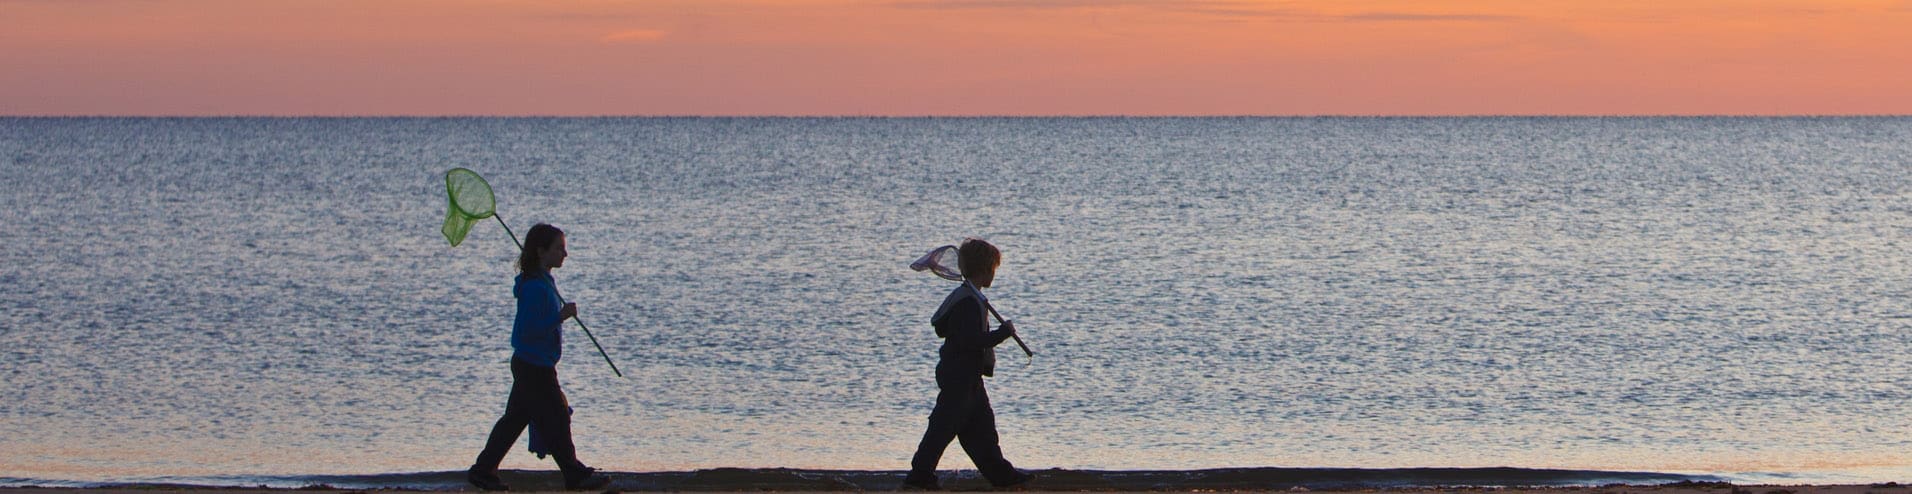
x=1009, y=326
x=570, y=310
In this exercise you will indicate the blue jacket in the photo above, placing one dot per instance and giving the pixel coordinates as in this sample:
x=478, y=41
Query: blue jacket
x=536, y=335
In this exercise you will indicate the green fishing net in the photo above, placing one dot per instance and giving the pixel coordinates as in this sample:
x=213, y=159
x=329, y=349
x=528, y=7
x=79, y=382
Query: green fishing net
x=471, y=201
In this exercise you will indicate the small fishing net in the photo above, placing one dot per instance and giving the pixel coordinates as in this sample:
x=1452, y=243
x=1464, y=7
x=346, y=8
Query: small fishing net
x=941, y=261
x=471, y=201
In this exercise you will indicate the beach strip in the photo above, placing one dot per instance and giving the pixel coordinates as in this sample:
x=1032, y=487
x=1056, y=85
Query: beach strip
x=1410, y=480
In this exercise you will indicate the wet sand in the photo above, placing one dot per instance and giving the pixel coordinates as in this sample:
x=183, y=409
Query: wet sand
x=1391, y=481
x=1611, y=489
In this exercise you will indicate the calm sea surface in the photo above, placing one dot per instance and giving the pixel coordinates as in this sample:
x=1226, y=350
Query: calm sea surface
x=233, y=298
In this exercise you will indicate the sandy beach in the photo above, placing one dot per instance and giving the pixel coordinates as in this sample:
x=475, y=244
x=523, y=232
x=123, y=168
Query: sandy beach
x=1701, y=488
x=1414, y=480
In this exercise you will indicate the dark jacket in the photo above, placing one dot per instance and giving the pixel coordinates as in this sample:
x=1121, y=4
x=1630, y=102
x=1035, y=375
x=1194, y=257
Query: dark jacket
x=969, y=347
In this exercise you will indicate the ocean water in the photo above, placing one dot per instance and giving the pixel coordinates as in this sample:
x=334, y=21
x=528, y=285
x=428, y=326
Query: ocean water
x=226, y=300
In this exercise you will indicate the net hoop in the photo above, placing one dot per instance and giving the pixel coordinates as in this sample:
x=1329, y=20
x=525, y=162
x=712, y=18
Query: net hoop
x=940, y=261
x=471, y=201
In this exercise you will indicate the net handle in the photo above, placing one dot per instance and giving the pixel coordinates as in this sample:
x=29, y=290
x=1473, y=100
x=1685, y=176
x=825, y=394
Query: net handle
x=587, y=329
x=1000, y=321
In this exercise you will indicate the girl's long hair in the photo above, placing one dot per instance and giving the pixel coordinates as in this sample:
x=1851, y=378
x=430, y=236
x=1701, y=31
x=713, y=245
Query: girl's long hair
x=537, y=240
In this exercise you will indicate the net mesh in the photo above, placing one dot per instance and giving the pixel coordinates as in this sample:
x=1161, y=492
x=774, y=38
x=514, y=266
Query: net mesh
x=941, y=261
x=471, y=201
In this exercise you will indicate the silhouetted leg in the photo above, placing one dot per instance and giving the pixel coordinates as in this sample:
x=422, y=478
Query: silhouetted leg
x=557, y=433
x=979, y=439
x=518, y=414
x=945, y=421
x=549, y=413
x=535, y=397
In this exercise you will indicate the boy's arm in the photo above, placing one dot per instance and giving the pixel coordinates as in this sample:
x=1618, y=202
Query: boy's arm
x=970, y=331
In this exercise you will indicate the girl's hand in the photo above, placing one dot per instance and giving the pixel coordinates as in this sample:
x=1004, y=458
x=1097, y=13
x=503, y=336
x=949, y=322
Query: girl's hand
x=570, y=310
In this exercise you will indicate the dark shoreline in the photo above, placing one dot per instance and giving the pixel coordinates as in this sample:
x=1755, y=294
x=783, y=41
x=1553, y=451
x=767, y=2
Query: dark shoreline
x=780, y=479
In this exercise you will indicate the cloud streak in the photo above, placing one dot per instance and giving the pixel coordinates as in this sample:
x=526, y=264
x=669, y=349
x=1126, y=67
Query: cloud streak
x=1406, y=17
x=1213, y=8
x=1037, y=4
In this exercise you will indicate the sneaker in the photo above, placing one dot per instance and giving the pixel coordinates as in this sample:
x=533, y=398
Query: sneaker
x=485, y=481
x=922, y=483
x=587, y=479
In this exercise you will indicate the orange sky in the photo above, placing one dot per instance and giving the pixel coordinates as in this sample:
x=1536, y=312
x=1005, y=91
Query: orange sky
x=954, y=57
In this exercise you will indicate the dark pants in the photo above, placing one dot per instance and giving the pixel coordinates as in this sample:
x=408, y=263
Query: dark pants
x=962, y=412
x=535, y=398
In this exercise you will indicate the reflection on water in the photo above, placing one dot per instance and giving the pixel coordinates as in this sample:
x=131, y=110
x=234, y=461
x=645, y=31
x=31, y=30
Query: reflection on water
x=205, y=297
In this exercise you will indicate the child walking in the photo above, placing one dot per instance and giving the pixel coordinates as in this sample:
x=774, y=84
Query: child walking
x=536, y=344
x=962, y=405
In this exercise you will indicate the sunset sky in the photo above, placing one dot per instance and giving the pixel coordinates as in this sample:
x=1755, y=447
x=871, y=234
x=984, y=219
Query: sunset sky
x=955, y=57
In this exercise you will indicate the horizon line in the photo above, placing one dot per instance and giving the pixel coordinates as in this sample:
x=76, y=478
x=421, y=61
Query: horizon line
x=981, y=116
